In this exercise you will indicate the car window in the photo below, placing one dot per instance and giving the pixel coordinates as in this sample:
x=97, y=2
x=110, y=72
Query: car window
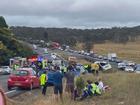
x=102, y=64
x=138, y=68
x=21, y=73
x=4, y=67
x=33, y=73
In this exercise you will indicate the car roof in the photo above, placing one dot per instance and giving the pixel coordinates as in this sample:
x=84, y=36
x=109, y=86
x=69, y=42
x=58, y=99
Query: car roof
x=100, y=62
x=27, y=69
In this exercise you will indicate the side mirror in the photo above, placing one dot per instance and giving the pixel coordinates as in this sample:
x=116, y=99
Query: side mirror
x=2, y=98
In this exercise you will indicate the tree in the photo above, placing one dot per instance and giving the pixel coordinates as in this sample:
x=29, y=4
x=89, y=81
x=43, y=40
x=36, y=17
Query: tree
x=3, y=22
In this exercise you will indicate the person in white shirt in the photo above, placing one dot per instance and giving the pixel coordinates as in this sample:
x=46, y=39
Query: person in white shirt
x=102, y=87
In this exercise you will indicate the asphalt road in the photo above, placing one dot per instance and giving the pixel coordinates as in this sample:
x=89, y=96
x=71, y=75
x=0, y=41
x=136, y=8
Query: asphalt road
x=3, y=82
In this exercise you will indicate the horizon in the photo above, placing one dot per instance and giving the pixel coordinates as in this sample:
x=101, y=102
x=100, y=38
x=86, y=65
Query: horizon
x=83, y=14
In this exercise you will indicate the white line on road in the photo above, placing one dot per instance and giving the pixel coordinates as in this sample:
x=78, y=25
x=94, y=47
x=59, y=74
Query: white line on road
x=10, y=92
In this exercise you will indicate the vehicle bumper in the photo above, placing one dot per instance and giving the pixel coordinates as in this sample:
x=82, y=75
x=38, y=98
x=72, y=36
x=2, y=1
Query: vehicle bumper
x=19, y=84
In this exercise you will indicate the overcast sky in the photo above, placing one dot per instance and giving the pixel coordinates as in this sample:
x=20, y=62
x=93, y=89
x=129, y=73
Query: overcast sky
x=71, y=13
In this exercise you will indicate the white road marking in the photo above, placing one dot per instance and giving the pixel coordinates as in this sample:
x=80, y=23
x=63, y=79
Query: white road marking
x=10, y=92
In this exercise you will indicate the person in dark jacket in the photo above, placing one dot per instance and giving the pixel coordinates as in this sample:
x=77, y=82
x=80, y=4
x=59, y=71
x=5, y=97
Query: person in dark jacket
x=58, y=86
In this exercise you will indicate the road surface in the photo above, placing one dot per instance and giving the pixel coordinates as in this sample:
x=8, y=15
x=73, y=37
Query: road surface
x=3, y=82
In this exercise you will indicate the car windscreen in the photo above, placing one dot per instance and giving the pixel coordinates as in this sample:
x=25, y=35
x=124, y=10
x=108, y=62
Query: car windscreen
x=4, y=67
x=102, y=64
x=20, y=73
x=138, y=68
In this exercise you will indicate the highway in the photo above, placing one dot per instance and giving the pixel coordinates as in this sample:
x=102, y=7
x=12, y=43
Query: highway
x=3, y=78
x=16, y=91
x=3, y=82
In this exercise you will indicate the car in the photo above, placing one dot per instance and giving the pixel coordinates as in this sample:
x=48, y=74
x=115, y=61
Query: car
x=80, y=67
x=100, y=57
x=5, y=70
x=23, y=78
x=129, y=69
x=118, y=61
x=121, y=65
x=131, y=63
x=104, y=65
x=137, y=70
x=105, y=58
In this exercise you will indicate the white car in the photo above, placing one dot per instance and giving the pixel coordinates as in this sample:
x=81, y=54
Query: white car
x=137, y=70
x=121, y=65
x=130, y=63
x=104, y=65
x=5, y=70
x=129, y=69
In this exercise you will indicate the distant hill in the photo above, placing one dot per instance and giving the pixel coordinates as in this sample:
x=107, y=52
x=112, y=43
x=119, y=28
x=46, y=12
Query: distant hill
x=9, y=45
x=72, y=36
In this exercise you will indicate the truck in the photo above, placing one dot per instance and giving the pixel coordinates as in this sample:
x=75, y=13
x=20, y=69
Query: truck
x=112, y=56
x=21, y=62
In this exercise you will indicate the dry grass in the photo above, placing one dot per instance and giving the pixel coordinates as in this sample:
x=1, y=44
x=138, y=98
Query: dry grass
x=130, y=51
x=125, y=90
x=82, y=61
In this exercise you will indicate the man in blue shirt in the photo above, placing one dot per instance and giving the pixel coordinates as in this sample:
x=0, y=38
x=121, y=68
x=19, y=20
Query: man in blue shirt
x=58, y=85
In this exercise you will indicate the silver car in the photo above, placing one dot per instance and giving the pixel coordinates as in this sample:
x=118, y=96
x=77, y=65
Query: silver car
x=137, y=70
x=5, y=70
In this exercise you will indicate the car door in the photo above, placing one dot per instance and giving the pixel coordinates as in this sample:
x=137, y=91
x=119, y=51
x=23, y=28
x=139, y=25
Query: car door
x=35, y=79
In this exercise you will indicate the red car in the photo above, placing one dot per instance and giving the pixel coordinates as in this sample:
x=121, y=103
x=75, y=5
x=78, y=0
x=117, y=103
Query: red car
x=24, y=78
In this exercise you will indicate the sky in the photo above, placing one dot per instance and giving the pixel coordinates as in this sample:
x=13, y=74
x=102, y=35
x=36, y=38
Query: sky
x=71, y=13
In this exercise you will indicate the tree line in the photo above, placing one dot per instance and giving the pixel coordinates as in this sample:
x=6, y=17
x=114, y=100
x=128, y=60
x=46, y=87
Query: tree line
x=72, y=36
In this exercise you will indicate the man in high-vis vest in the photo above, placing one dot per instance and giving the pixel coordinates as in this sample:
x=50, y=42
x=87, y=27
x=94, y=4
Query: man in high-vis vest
x=44, y=64
x=43, y=82
x=93, y=89
x=63, y=69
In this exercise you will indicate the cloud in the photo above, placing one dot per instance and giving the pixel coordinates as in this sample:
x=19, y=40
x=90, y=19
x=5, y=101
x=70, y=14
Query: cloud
x=71, y=13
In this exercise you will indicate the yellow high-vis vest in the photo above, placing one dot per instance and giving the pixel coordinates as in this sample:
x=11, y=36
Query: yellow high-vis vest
x=43, y=79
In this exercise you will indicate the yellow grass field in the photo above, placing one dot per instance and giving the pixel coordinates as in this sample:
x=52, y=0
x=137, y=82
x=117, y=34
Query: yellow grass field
x=129, y=51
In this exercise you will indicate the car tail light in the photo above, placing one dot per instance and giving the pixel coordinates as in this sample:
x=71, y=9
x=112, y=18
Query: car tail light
x=27, y=80
x=9, y=79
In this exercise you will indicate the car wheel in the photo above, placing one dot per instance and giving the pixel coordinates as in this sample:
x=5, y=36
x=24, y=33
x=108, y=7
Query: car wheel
x=9, y=88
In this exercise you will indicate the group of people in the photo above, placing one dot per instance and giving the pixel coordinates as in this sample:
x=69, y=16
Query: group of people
x=91, y=89
x=58, y=81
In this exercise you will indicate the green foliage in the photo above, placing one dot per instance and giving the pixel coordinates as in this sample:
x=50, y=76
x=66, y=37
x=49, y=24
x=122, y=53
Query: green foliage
x=72, y=36
x=9, y=45
x=80, y=84
x=3, y=22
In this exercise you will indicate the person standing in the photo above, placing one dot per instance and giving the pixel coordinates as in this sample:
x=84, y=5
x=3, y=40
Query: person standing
x=58, y=85
x=43, y=82
x=70, y=75
x=95, y=68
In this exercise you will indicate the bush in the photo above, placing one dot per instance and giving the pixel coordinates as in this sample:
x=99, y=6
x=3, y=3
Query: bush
x=80, y=84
